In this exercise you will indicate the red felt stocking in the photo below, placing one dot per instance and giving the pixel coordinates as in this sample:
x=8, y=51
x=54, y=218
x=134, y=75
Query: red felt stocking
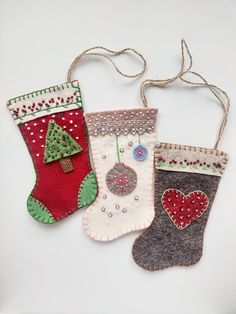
x=53, y=126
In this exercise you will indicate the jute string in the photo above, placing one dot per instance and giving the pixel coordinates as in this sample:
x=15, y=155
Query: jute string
x=107, y=54
x=216, y=91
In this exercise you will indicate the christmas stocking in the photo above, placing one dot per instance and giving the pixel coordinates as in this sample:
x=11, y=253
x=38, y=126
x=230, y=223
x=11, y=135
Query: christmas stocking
x=186, y=181
x=122, y=145
x=53, y=126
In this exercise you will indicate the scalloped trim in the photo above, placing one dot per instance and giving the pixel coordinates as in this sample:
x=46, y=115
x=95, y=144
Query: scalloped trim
x=134, y=121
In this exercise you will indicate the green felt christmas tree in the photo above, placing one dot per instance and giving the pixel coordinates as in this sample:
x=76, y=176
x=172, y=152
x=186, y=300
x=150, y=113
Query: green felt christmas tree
x=60, y=146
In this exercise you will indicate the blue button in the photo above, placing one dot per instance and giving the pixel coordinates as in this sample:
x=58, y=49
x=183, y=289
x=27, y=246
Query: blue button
x=140, y=152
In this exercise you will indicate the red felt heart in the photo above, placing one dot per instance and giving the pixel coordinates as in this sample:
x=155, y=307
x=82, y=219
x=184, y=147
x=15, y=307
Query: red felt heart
x=183, y=210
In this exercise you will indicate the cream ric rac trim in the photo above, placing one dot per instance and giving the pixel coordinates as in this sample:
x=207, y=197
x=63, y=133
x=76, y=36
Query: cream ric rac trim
x=134, y=121
x=43, y=102
x=174, y=157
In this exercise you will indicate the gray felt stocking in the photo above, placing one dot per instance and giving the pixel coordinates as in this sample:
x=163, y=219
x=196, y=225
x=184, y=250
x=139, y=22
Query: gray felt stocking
x=186, y=181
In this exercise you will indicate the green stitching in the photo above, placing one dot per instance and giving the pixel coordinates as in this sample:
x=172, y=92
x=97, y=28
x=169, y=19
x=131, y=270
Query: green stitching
x=167, y=164
x=33, y=114
x=39, y=212
x=88, y=190
x=41, y=91
x=139, y=138
x=117, y=149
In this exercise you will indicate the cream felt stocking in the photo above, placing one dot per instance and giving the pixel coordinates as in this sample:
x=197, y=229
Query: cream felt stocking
x=122, y=145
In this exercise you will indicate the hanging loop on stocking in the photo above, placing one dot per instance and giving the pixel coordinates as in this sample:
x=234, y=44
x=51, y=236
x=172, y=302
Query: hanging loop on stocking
x=220, y=94
x=107, y=54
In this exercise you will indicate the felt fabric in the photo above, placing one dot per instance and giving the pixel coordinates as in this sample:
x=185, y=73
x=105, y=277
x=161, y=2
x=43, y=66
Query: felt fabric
x=125, y=199
x=164, y=244
x=56, y=194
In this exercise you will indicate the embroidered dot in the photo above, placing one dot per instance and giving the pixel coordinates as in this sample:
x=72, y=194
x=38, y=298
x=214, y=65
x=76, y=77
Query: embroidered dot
x=64, y=127
x=53, y=116
x=103, y=209
x=109, y=214
x=77, y=137
x=104, y=196
x=42, y=145
x=37, y=155
x=40, y=136
x=75, y=125
x=71, y=130
x=63, y=118
x=71, y=113
x=76, y=113
x=71, y=121
x=136, y=198
x=33, y=141
x=26, y=124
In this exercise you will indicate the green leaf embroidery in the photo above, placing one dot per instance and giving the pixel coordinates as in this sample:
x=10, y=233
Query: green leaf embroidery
x=39, y=212
x=88, y=190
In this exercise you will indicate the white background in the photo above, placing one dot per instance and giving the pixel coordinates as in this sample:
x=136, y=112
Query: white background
x=58, y=269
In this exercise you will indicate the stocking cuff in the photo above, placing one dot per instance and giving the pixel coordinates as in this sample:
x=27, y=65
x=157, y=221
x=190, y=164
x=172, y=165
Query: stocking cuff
x=46, y=101
x=134, y=121
x=183, y=158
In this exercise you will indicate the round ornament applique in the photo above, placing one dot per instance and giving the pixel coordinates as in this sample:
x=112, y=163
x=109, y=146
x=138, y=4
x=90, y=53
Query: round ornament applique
x=121, y=179
x=140, y=153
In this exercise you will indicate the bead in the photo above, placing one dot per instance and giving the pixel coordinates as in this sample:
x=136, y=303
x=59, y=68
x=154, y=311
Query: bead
x=130, y=144
x=109, y=214
x=117, y=206
x=104, y=156
x=136, y=198
x=104, y=196
x=103, y=209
